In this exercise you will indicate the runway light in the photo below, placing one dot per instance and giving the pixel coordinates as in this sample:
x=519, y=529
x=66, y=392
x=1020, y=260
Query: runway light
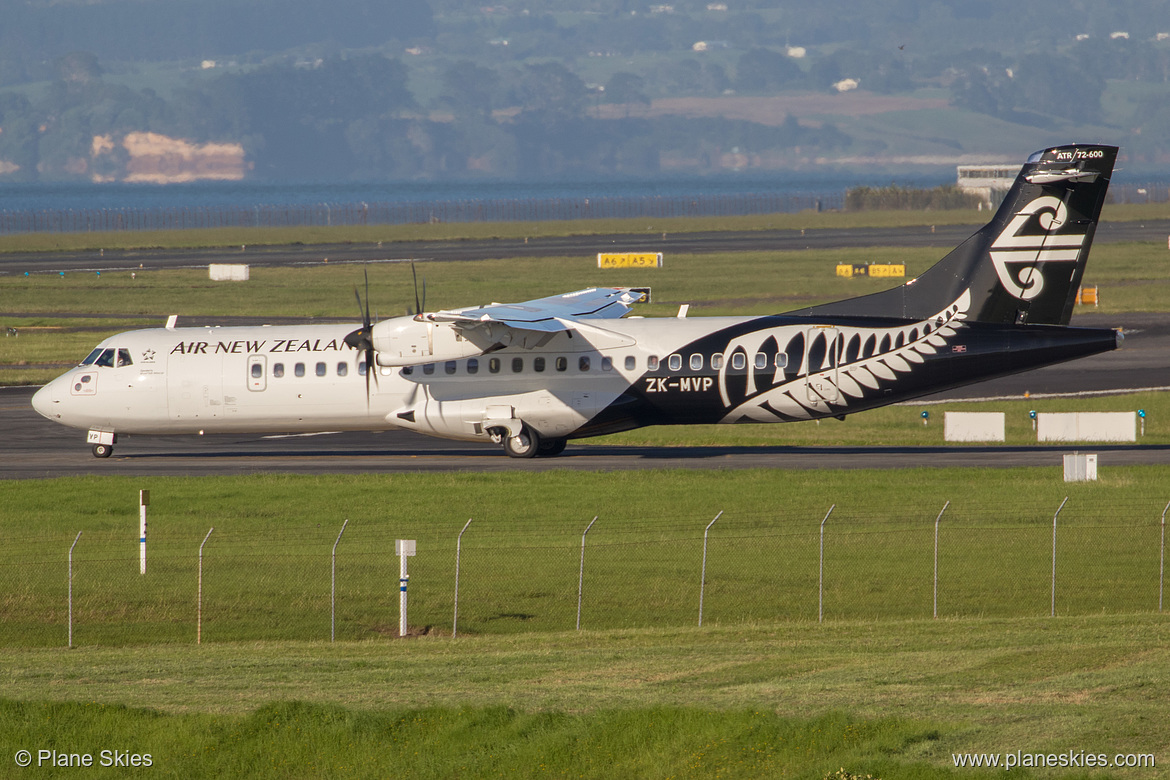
x=926, y=418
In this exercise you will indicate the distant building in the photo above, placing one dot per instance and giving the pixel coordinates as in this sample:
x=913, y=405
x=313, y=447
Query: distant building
x=990, y=182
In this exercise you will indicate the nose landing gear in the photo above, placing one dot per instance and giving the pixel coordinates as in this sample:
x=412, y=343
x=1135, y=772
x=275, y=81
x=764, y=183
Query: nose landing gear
x=103, y=450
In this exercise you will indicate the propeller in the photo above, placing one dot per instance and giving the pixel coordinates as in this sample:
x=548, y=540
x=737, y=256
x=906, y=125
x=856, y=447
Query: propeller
x=418, y=307
x=362, y=338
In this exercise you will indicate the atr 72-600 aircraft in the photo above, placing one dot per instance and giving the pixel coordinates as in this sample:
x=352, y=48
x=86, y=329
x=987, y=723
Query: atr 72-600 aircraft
x=533, y=375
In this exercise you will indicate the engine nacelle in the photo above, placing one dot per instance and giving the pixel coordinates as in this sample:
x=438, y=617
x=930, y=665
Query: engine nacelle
x=406, y=341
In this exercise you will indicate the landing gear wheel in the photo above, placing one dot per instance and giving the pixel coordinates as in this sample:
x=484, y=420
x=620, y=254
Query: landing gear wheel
x=103, y=450
x=526, y=445
x=550, y=448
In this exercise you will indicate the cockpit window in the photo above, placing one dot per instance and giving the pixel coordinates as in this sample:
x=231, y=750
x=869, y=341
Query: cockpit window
x=106, y=359
x=124, y=358
x=92, y=357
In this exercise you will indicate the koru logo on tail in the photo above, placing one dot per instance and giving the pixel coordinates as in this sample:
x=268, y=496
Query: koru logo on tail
x=1018, y=249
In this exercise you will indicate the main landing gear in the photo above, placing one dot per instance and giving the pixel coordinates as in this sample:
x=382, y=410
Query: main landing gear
x=103, y=450
x=530, y=444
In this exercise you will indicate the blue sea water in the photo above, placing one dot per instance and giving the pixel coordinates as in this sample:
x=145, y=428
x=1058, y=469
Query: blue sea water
x=81, y=196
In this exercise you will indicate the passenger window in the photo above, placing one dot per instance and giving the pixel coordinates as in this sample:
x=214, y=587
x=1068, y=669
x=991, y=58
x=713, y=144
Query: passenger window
x=538, y=364
x=494, y=365
x=472, y=366
x=429, y=368
x=674, y=362
x=696, y=362
x=781, y=360
x=107, y=359
x=607, y=364
x=257, y=370
x=361, y=368
x=517, y=365
x=738, y=361
x=449, y=367
x=583, y=363
x=652, y=363
x=631, y=362
x=342, y=368
x=299, y=369
x=92, y=357
x=278, y=370
x=322, y=369
x=761, y=360
x=717, y=361
x=124, y=358
x=562, y=363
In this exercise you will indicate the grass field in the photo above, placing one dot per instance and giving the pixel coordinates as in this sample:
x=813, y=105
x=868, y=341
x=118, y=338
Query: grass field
x=894, y=699
x=267, y=566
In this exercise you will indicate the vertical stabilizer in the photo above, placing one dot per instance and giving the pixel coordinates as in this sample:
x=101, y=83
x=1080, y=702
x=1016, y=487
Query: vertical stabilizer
x=1023, y=267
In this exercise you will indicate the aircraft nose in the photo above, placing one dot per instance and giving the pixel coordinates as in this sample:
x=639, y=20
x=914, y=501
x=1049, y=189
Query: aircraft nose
x=42, y=400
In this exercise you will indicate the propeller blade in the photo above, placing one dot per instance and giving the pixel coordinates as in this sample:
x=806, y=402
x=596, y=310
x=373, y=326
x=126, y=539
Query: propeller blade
x=366, y=320
x=414, y=276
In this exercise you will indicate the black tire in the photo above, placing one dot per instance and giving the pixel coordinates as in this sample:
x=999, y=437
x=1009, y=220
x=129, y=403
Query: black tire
x=526, y=445
x=103, y=450
x=550, y=448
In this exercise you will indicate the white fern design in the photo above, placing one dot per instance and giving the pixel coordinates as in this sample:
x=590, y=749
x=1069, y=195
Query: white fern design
x=804, y=392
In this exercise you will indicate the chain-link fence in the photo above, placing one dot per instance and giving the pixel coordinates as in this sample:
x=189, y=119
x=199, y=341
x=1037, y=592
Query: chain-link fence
x=482, y=577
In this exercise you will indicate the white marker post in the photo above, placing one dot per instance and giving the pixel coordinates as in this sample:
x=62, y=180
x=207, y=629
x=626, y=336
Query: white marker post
x=143, y=503
x=403, y=548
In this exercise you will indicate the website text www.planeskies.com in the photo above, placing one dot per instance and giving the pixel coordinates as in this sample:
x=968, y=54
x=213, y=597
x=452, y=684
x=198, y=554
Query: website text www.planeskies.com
x=1070, y=759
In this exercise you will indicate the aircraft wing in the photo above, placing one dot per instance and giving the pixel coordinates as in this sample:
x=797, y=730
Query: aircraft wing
x=546, y=315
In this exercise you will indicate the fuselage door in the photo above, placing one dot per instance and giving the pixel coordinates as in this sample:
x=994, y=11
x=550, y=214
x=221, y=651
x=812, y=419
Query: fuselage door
x=821, y=357
x=257, y=372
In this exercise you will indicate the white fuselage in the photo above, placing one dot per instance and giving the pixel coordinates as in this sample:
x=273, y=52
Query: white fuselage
x=305, y=378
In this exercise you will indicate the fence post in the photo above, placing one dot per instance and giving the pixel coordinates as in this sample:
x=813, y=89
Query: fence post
x=581, y=574
x=703, y=575
x=940, y=514
x=199, y=596
x=1162, y=559
x=821, y=571
x=333, y=585
x=1062, y=503
x=458, y=548
x=71, y=589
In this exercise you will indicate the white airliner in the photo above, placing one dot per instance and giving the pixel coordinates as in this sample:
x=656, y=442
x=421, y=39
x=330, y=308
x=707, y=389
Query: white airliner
x=533, y=375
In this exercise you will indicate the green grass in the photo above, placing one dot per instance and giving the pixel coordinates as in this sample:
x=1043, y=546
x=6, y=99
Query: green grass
x=892, y=699
x=761, y=690
x=267, y=565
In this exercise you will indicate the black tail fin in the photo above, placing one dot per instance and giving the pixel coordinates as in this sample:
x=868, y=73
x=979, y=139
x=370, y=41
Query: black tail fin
x=1023, y=267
